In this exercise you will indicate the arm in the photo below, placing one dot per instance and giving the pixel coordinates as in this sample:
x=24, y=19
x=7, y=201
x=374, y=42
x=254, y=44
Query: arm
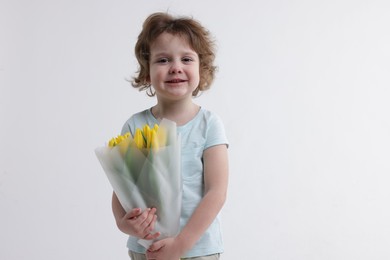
x=216, y=181
x=135, y=222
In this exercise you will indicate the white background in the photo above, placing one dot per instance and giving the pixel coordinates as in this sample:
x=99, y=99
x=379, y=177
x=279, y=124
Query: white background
x=303, y=89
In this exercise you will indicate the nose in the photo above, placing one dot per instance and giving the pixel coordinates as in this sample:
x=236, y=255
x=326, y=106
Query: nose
x=175, y=68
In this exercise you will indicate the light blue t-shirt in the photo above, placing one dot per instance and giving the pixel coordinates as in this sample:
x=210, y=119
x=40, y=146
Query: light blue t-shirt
x=203, y=131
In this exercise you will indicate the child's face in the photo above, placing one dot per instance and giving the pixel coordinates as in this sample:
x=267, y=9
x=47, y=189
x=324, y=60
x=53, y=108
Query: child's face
x=174, y=67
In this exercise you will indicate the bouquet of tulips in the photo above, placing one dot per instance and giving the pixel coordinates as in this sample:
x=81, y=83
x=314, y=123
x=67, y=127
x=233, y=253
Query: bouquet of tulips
x=144, y=171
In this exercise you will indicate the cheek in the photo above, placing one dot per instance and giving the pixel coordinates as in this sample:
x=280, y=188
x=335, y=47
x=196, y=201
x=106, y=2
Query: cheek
x=198, y=74
x=154, y=74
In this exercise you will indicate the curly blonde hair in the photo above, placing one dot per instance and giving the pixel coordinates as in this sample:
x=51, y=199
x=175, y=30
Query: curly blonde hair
x=198, y=38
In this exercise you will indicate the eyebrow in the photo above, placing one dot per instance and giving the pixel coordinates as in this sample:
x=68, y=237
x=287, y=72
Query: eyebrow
x=163, y=53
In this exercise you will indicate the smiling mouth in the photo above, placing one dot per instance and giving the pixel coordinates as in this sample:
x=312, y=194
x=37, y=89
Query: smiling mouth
x=176, y=81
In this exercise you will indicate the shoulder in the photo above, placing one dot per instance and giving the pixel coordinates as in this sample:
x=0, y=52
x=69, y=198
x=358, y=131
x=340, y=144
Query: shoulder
x=214, y=127
x=211, y=120
x=135, y=121
x=208, y=117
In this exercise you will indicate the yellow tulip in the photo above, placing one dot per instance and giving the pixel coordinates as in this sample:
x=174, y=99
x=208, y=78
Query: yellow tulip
x=118, y=140
x=124, y=143
x=146, y=133
x=146, y=129
x=139, y=139
x=150, y=138
x=162, y=137
x=154, y=140
x=112, y=142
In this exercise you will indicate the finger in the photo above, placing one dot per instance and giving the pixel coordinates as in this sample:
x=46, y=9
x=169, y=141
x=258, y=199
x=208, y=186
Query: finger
x=148, y=230
x=133, y=213
x=150, y=255
x=156, y=246
x=151, y=236
x=148, y=220
x=151, y=226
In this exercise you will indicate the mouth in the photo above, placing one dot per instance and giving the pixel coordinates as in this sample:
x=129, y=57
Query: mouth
x=175, y=81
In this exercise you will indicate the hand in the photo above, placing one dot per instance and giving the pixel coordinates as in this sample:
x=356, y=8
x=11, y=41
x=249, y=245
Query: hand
x=139, y=224
x=165, y=249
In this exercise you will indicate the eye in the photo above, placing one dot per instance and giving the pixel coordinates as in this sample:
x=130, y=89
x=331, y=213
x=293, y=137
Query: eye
x=162, y=60
x=187, y=59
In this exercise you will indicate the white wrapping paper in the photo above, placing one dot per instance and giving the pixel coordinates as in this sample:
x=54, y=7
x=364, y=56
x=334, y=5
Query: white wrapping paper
x=148, y=178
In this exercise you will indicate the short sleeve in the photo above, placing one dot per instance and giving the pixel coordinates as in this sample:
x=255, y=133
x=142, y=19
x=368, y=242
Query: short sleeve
x=216, y=134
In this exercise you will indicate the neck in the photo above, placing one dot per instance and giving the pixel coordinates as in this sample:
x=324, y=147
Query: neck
x=179, y=112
